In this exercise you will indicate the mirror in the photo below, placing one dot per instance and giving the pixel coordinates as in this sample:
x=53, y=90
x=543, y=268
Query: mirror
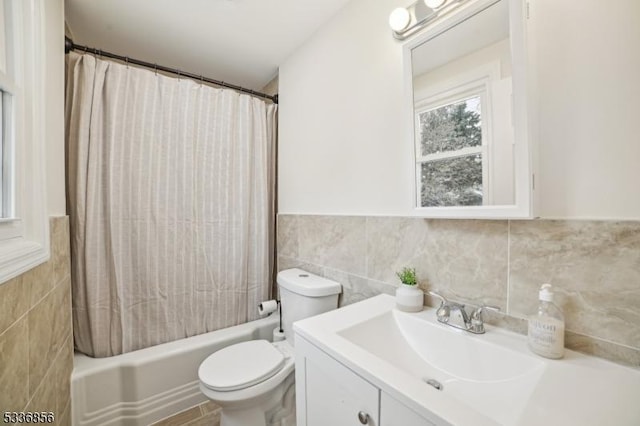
x=469, y=114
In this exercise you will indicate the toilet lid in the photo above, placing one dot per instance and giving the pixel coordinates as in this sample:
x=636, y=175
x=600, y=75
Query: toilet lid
x=241, y=365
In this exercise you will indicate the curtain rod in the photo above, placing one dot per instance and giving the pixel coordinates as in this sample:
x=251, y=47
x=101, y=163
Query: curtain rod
x=69, y=45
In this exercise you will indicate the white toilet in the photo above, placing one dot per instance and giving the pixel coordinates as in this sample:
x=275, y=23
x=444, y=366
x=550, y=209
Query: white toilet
x=253, y=381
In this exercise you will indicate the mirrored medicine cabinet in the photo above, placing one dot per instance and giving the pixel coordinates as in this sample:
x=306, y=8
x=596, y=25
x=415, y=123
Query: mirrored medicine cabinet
x=468, y=84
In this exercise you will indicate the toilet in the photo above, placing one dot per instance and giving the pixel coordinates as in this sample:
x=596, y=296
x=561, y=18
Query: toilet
x=253, y=381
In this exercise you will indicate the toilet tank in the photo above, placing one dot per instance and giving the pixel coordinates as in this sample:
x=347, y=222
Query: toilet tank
x=303, y=295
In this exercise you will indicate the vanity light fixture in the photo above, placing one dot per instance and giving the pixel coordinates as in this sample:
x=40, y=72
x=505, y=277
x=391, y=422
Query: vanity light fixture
x=405, y=22
x=399, y=19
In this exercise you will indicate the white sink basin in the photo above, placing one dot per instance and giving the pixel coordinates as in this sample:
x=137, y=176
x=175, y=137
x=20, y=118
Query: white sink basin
x=431, y=349
x=471, y=368
x=488, y=379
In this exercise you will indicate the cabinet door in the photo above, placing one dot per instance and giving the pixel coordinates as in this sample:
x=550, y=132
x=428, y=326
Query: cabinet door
x=335, y=395
x=394, y=413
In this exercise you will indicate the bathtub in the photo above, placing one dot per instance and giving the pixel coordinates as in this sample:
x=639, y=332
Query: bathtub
x=144, y=386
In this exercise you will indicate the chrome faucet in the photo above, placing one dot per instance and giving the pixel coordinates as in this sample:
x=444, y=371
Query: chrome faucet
x=473, y=323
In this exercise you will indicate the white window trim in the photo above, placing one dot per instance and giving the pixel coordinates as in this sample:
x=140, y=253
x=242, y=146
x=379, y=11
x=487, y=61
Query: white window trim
x=474, y=83
x=463, y=152
x=24, y=237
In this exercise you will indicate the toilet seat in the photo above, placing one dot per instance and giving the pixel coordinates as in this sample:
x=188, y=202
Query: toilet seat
x=241, y=366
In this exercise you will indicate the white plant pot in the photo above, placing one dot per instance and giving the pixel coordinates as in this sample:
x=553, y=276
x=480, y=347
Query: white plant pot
x=409, y=298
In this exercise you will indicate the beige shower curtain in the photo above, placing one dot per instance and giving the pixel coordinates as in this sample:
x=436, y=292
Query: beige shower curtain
x=171, y=201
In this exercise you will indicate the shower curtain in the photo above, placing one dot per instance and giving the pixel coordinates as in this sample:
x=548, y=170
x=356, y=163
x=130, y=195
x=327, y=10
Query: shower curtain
x=171, y=203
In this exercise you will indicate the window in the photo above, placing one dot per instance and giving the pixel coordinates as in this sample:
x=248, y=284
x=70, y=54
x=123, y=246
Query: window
x=4, y=182
x=451, y=148
x=24, y=230
x=6, y=159
x=8, y=72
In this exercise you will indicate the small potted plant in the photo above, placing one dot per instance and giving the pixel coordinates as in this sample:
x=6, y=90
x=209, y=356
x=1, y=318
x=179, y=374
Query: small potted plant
x=409, y=298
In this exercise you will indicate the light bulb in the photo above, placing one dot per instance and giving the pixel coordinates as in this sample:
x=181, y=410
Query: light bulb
x=434, y=4
x=399, y=19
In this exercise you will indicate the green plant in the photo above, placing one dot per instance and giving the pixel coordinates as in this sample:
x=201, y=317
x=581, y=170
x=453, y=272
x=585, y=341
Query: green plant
x=407, y=276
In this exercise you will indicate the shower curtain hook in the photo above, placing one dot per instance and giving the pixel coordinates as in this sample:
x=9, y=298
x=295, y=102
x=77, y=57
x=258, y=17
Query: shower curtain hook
x=126, y=60
x=155, y=68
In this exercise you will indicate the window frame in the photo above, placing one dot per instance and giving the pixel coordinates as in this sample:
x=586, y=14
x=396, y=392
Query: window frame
x=7, y=147
x=5, y=179
x=24, y=232
x=476, y=83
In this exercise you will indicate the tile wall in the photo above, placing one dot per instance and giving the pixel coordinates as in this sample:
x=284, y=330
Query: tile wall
x=36, y=343
x=595, y=266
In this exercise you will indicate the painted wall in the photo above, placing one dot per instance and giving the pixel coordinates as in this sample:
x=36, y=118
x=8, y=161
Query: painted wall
x=54, y=111
x=589, y=89
x=341, y=145
x=343, y=150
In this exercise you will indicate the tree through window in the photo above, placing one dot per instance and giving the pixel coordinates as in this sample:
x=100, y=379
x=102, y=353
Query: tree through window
x=451, y=154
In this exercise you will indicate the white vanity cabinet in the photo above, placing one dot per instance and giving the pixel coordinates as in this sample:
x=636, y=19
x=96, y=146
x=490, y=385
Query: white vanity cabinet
x=328, y=393
x=394, y=413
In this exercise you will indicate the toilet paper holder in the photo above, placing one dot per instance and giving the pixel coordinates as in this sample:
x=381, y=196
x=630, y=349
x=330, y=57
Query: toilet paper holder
x=268, y=307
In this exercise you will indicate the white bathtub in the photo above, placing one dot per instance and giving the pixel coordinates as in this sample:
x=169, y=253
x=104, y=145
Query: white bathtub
x=142, y=387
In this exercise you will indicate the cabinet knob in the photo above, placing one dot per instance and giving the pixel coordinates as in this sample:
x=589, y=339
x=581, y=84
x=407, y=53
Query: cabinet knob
x=363, y=417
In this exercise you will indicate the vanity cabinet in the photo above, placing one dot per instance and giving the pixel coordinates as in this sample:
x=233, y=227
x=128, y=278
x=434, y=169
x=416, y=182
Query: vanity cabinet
x=328, y=393
x=394, y=413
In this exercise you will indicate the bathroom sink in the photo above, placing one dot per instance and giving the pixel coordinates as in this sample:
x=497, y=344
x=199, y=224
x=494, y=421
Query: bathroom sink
x=428, y=348
x=452, y=377
x=476, y=369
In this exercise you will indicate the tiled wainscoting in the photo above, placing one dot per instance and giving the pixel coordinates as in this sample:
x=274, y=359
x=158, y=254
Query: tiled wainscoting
x=595, y=266
x=36, y=344
x=206, y=414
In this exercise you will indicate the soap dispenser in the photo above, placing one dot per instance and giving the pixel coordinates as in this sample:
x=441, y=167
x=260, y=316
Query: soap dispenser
x=546, y=327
